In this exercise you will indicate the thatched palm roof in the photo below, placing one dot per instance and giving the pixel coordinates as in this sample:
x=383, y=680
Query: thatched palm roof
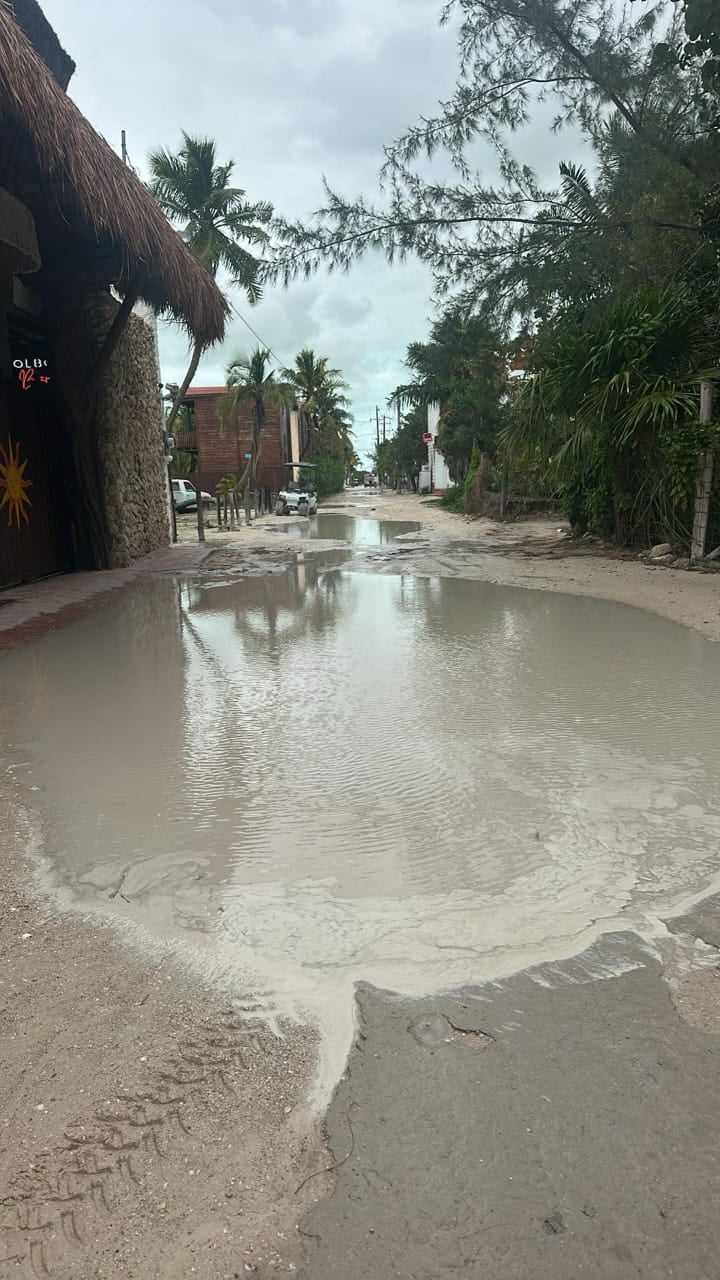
x=29, y=15
x=90, y=209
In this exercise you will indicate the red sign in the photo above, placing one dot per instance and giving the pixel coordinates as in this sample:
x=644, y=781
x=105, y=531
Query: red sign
x=427, y=438
x=30, y=372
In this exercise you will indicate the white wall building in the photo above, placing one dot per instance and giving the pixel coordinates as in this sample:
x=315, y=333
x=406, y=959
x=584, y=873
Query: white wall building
x=434, y=475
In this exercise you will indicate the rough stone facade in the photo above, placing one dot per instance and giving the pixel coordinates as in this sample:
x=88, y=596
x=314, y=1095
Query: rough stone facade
x=130, y=425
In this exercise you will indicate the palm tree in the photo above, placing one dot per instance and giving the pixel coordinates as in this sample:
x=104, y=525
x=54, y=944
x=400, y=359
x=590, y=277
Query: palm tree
x=320, y=392
x=250, y=380
x=193, y=191
x=315, y=384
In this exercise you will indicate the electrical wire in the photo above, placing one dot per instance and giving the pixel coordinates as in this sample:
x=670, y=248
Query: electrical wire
x=255, y=334
x=275, y=356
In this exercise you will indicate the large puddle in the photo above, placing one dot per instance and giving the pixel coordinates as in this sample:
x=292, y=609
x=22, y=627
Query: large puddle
x=323, y=776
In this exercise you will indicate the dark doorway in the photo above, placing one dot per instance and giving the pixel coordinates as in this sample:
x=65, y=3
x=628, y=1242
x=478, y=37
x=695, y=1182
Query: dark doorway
x=35, y=518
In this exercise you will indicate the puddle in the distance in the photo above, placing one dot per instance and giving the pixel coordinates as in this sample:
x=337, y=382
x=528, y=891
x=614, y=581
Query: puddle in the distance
x=318, y=777
x=361, y=531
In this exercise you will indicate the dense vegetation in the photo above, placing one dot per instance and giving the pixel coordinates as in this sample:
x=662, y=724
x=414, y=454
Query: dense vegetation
x=398, y=459
x=607, y=282
x=320, y=393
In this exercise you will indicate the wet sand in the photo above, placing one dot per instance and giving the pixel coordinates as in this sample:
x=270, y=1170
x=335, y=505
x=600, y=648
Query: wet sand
x=151, y=1126
x=152, y=1129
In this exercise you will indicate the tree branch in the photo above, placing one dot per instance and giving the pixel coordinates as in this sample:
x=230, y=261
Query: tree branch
x=388, y=225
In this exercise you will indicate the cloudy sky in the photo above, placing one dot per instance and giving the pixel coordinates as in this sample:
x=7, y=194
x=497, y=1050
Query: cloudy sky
x=289, y=89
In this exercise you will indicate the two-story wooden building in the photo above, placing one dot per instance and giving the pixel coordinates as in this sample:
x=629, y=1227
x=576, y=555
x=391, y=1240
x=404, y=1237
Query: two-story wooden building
x=208, y=448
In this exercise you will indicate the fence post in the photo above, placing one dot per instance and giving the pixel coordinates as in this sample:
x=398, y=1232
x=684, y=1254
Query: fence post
x=504, y=489
x=703, y=480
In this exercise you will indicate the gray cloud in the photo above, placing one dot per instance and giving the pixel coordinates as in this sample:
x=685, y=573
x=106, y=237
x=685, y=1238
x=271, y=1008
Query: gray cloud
x=290, y=89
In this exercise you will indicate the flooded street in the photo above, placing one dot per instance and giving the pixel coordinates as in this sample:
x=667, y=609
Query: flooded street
x=359, y=641
x=361, y=874
x=322, y=777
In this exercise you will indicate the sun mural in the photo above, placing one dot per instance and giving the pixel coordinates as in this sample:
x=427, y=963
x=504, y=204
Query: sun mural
x=13, y=484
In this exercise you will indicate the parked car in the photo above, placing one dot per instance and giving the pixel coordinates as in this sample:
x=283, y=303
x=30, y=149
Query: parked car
x=184, y=496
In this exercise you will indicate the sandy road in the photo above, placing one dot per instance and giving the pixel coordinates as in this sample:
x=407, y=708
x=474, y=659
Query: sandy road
x=153, y=1128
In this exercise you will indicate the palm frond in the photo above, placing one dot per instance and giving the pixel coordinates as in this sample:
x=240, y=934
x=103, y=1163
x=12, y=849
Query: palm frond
x=194, y=191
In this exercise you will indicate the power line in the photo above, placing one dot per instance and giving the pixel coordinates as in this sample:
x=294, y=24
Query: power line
x=128, y=162
x=275, y=356
x=255, y=334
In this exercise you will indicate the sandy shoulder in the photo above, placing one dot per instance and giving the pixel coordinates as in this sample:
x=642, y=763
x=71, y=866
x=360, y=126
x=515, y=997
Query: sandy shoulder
x=149, y=1127
x=495, y=555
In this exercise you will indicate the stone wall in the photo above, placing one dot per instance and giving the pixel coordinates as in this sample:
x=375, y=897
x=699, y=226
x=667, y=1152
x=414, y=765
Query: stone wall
x=130, y=427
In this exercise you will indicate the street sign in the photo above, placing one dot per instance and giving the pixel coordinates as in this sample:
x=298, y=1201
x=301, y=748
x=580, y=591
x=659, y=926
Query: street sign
x=248, y=455
x=427, y=438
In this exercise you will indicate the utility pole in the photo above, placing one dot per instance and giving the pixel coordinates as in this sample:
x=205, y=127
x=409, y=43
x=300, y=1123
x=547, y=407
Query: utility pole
x=383, y=428
x=377, y=426
x=123, y=147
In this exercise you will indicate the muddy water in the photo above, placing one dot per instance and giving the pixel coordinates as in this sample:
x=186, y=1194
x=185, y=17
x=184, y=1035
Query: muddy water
x=325, y=776
x=359, y=530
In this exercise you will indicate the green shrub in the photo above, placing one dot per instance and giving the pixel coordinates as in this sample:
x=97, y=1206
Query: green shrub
x=453, y=499
x=330, y=475
x=475, y=459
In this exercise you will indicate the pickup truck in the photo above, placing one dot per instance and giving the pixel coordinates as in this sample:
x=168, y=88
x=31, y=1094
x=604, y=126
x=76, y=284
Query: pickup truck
x=184, y=495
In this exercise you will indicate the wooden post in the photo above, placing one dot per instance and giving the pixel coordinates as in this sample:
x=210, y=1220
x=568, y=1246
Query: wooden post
x=504, y=489
x=200, y=515
x=173, y=512
x=703, y=480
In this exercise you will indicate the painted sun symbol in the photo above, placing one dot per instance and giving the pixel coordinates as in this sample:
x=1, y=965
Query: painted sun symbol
x=13, y=484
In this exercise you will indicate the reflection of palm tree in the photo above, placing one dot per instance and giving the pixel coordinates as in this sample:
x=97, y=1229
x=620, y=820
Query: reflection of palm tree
x=462, y=608
x=275, y=612
x=311, y=610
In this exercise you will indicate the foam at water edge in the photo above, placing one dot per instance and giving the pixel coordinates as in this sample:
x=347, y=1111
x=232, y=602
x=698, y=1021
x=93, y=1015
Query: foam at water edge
x=282, y=995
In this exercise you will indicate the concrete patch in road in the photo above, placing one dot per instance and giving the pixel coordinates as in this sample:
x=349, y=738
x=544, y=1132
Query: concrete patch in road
x=561, y=1129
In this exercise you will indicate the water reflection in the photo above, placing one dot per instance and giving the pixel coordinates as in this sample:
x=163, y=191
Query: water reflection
x=358, y=530
x=95, y=708
x=270, y=613
x=368, y=773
